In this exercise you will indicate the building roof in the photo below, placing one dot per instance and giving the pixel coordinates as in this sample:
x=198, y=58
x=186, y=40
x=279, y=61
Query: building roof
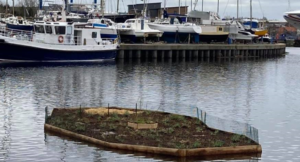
x=143, y=4
x=175, y=7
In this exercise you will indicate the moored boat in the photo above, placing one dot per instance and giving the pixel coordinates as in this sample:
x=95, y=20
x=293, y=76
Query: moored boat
x=56, y=41
x=175, y=31
x=107, y=26
x=213, y=34
x=293, y=17
x=134, y=30
x=18, y=23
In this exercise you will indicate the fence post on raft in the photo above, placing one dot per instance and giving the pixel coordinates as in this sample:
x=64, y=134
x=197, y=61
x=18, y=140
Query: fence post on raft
x=198, y=113
x=46, y=114
x=136, y=109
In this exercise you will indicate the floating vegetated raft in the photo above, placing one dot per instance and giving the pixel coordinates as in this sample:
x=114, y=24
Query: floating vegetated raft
x=175, y=135
x=196, y=51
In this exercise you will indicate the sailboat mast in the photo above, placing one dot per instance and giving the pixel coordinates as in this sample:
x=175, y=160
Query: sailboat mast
x=218, y=6
x=179, y=8
x=6, y=8
x=202, y=5
x=191, y=5
x=237, y=13
x=118, y=3
x=102, y=5
x=13, y=7
x=251, y=13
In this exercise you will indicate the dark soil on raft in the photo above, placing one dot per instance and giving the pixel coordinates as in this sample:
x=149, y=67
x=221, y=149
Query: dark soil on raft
x=174, y=131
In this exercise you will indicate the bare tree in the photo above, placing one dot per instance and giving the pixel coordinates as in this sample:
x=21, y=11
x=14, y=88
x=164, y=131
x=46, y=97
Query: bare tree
x=28, y=7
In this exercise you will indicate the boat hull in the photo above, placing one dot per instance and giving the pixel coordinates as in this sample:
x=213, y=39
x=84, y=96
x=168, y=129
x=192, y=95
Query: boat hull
x=213, y=38
x=170, y=37
x=261, y=32
x=176, y=28
x=16, y=52
x=20, y=27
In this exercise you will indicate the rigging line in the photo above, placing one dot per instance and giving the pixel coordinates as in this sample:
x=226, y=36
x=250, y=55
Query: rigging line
x=261, y=9
x=225, y=7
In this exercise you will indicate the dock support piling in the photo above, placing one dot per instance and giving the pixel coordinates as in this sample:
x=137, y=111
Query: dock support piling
x=169, y=54
x=196, y=54
x=154, y=54
x=138, y=54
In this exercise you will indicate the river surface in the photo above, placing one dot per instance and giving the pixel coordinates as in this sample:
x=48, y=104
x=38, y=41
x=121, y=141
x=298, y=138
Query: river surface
x=262, y=92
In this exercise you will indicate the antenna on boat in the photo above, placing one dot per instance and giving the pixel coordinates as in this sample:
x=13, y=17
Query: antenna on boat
x=63, y=11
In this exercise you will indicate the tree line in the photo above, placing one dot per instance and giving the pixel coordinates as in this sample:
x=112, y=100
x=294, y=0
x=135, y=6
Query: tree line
x=27, y=7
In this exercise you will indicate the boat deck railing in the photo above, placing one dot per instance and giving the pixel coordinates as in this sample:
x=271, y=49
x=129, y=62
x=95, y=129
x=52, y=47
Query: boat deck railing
x=18, y=34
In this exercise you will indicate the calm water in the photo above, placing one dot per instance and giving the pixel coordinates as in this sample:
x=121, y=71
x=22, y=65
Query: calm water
x=264, y=93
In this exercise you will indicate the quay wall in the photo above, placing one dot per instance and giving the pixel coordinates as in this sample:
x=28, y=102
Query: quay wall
x=196, y=51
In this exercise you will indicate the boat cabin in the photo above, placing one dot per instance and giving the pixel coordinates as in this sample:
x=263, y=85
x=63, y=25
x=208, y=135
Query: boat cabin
x=136, y=24
x=66, y=33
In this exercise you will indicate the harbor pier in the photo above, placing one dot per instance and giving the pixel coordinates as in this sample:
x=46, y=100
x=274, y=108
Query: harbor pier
x=196, y=51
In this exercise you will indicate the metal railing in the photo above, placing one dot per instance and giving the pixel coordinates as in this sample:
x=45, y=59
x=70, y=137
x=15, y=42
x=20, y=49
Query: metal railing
x=188, y=110
x=18, y=34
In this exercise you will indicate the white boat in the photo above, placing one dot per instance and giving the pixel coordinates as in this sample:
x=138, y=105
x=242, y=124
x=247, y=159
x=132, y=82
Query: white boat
x=134, y=29
x=173, y=26
x=244, y=35
x=293, y=18
x=18, y=23
x=107, y=26
x=175, y=31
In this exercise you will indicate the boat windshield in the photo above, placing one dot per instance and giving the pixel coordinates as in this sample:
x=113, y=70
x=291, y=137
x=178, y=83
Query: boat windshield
x=130, y=21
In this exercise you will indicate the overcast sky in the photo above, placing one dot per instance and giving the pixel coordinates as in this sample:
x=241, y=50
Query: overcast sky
x=272, y=9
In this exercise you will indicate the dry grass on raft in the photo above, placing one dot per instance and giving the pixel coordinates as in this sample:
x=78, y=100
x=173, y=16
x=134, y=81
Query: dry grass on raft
x=103, y=111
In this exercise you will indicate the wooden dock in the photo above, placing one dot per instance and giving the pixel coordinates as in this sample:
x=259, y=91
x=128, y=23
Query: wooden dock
x=196, y=51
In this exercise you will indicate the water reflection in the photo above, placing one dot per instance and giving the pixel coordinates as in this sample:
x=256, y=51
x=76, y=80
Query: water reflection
x=262, y=92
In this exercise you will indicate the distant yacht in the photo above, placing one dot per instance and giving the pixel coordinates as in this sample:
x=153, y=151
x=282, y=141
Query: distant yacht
x=134, y=29
x=293, y=18
x=174, y=30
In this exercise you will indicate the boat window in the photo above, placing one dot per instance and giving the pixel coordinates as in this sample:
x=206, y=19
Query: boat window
x=130, y=21
x=94, y=34
x=48, y=29
x=39, y=29
x=60, y=30
x=220, y=29
x=69, y=30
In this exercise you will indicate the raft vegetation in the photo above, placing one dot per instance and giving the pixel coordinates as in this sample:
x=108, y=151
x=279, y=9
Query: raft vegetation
x=173, y=131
